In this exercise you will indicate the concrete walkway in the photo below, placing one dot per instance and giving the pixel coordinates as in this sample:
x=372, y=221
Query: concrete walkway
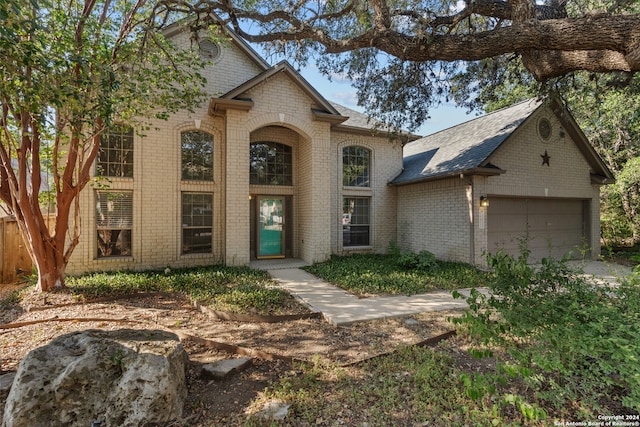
x=342, y=308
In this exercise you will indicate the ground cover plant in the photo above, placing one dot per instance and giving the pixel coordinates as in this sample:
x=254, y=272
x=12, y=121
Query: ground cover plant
x=397, y=274
x=414, y=386
x=233, y=289
x=573, y=343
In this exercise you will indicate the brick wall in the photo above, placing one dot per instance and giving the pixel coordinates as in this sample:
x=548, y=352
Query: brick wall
x=385, y=164
x=434, y=216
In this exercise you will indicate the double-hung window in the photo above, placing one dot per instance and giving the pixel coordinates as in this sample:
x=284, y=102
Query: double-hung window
x=197, y=223
x=114, y=222
x=356, y=200
x=356, y=221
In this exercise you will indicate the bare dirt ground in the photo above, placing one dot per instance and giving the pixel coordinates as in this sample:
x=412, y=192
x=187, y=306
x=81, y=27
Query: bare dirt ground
x=211, y=402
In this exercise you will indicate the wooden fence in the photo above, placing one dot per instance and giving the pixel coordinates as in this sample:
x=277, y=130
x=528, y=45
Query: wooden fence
x=15, y=262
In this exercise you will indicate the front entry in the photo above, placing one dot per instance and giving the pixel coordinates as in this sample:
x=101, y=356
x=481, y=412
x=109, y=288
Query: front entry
x=270, y=235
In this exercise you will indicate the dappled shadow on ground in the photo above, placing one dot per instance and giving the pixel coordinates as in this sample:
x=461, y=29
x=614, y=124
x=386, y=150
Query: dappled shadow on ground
x=39, y=320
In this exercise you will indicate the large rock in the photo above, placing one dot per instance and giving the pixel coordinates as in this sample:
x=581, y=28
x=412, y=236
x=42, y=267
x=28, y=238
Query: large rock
x=121, y=378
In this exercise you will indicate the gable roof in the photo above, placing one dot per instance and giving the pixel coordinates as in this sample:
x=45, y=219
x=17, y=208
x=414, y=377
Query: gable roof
x=300, y=81
x=339, y=116
x=466, y=148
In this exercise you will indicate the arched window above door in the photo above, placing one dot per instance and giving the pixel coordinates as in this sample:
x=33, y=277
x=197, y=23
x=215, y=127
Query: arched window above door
x=270, y=163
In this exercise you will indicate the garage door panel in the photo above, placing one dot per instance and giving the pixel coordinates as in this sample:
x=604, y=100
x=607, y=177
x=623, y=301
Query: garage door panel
x=552, y=227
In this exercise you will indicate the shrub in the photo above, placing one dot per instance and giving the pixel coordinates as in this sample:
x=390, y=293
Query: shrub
x=422, y=261
x=568, y=339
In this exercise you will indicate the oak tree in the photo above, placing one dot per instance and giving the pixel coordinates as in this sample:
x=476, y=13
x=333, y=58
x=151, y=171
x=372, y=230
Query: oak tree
x=401, y=53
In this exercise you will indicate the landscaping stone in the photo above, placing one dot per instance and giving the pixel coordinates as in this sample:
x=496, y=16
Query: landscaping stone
x=275, y=410
x=6, y=380
x=119, y=378
x=223, y=368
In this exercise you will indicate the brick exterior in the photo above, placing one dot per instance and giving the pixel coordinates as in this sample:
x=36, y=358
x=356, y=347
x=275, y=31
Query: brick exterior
x=434, y=216
x=445, y=216
x=282, y=113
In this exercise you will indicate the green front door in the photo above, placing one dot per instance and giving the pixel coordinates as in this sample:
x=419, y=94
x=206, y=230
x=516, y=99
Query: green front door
x=271, y=227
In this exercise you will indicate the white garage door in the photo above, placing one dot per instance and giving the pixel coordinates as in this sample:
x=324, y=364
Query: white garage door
x=551, y=227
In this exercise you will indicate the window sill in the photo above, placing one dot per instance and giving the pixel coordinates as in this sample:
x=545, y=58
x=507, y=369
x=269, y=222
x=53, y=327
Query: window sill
x=357, y=189
x=198, y=255
x=115, y=258
x=357, y=248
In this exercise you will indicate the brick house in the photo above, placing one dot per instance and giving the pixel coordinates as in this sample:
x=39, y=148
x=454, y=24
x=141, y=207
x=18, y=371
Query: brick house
x=268, y=168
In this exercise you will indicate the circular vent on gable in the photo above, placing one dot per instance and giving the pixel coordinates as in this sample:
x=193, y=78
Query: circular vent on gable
x=209, y=51
x=544, y=128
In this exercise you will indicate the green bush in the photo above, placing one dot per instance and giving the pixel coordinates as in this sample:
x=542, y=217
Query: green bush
x=422, y=261
x=571, y=341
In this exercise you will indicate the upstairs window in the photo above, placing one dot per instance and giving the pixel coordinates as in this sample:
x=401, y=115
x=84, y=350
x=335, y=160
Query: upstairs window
x=115, y=158
x=355, y=166
x=197, y=156
x=271, y=163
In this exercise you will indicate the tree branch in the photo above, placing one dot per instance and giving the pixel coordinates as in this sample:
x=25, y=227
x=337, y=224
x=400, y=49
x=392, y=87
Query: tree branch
x=600, y=42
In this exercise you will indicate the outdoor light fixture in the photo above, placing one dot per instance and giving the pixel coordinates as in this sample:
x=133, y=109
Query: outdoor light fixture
x=484, y=201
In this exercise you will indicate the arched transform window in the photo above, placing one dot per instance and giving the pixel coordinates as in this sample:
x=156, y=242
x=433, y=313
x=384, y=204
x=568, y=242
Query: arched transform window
x=356, y=162
x=271, y=163
x=197, y=156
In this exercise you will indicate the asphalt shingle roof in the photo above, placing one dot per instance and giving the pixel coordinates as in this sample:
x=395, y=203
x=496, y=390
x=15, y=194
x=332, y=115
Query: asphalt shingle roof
x=462, y=147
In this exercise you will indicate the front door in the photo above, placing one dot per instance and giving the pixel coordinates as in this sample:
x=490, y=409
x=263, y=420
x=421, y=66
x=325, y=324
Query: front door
x=271, y=227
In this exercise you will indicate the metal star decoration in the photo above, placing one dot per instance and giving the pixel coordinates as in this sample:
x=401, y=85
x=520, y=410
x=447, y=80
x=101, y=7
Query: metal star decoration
x=545, y=158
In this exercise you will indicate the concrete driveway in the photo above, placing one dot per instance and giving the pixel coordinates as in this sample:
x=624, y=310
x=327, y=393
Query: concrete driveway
x=602, y=272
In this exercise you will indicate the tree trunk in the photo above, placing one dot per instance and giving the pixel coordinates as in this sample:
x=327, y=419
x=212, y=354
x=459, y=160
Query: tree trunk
x=50, y=272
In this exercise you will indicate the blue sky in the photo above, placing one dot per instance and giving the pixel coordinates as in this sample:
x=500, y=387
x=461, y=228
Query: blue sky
x=339, y=90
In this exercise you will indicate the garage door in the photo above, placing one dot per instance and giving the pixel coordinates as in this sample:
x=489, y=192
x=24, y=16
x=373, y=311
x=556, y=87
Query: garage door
x=551, y=227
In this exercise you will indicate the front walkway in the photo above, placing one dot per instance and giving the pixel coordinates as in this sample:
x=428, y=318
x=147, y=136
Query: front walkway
x=342, y=308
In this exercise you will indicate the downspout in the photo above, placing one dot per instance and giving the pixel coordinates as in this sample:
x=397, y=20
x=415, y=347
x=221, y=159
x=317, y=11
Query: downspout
x=472, y=217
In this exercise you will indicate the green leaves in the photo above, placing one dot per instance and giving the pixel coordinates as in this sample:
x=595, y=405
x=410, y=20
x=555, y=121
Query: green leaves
x=570, y=340
x=367, y=274
x=234, y=289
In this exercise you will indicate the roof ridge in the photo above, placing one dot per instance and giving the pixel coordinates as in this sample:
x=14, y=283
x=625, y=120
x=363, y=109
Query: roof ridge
x=482, y=116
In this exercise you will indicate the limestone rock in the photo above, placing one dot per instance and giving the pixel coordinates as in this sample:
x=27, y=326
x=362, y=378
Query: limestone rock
x=275, y=410
x=121, y=378
x=223, y=368
x=6, y=380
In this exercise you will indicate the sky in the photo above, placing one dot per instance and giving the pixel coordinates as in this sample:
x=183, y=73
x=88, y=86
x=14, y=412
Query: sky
x=339, y=90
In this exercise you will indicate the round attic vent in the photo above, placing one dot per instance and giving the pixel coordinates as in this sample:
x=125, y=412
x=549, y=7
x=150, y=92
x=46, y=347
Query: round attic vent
x=209, y=51
x=544, y=128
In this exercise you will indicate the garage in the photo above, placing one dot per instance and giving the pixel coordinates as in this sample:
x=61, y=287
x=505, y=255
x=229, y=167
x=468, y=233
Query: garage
x=550, y=227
